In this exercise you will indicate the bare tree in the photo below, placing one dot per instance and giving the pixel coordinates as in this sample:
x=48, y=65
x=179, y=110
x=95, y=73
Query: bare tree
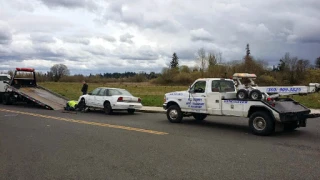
x=58, y=71
x=202, y=59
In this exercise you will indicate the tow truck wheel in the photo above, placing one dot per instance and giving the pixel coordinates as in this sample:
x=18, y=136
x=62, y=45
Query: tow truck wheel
x=107, y=108
x=174, y=114
x=6, y=100
x=242, y=94
x=255, y=94
x=261, y=123
x=199, y=116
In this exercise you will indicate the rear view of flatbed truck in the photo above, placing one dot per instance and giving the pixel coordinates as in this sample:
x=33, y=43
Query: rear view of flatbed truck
x=23, y=87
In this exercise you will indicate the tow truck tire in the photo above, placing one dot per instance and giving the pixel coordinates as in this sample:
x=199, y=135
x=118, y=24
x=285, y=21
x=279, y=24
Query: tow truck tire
x=242, y=94
x=107, y=108
x=174, y=114
x=290, y=126
x=255, y=94
x=199, y=116
x=261, y=123
x=6, y=100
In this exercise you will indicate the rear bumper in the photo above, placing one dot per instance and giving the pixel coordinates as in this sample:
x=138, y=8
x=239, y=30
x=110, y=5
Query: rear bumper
x=294, y=116
x=124, y=106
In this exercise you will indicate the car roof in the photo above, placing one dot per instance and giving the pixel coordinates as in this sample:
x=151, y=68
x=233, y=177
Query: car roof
x=110, y=88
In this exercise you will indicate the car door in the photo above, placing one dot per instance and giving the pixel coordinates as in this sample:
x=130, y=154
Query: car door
x=90, y=101
x=197, y=100
x=100, y=98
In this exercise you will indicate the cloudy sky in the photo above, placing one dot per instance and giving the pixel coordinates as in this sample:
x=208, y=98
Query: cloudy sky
x=96, y=36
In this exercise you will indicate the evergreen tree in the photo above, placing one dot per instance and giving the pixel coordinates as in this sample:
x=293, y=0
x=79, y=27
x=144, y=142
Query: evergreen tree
x=318, y=62
x=175, y=61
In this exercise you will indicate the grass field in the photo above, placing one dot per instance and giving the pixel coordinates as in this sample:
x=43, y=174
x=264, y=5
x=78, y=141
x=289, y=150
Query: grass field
x=151, y=95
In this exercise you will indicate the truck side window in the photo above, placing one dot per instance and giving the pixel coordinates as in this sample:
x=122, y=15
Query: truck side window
x=227, y=86
x=215, y=86
x=199, y=87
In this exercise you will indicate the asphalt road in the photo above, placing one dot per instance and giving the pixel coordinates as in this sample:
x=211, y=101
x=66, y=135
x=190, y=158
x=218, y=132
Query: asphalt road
x=43, y=144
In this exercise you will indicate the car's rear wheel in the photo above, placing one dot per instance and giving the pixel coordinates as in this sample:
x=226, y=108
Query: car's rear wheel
x=131, y=111
x=242, y=94
x=107, y=108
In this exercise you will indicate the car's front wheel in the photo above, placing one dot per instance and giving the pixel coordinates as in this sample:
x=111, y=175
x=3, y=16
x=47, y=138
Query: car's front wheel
x=107, y=108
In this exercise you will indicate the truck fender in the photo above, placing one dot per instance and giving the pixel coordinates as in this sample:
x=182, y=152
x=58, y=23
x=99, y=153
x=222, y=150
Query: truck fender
x=172, y=102
x=263, y=108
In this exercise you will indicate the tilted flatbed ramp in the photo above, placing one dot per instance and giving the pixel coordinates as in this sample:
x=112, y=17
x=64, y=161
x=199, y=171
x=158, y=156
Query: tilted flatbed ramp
x=44, y=97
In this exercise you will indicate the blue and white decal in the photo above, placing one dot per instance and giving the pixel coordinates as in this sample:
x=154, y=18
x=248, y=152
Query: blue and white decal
x=235, y=101
x=283, y=89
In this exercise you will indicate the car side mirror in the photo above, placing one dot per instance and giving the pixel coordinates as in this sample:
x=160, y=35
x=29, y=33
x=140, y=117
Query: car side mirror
x=7, y=82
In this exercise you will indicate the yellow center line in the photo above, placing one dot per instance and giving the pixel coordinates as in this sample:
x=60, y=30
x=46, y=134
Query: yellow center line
x=88, y=122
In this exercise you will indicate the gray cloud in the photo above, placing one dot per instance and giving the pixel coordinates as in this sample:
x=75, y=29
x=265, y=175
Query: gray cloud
x=270, y=27
x=42, y=38
x=109, y=38
x=89, y=4
x=77, y=40
x=141, y=53
x=201, y=35
x=5, y=34
x=126, y=38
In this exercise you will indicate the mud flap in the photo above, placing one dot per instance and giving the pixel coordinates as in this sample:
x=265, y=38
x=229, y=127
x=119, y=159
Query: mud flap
x=279, y=127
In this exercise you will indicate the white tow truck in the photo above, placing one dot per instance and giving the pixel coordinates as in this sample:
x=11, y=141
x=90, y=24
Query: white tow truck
x=217, y=96
x=251, y=90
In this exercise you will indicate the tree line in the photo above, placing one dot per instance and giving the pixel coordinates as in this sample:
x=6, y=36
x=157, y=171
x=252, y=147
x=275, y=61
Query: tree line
x=289, y=71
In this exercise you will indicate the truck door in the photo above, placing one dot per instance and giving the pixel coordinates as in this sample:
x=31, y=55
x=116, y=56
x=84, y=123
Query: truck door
x=197, y=100
x=214, y=98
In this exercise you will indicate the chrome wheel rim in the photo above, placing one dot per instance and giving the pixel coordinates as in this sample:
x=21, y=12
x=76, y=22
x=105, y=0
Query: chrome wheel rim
x=259, y=123
x=173, y=114
x=254, y=95
x=241, y=95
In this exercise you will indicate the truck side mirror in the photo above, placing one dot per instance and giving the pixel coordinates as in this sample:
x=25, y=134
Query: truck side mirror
x=7, y=82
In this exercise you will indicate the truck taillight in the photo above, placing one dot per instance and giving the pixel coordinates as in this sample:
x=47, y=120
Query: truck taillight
x=120, y=99
x=139, y=100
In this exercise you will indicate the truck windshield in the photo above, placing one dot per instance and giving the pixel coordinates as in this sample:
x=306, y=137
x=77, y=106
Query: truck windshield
x=4, y=78
x=222, y=86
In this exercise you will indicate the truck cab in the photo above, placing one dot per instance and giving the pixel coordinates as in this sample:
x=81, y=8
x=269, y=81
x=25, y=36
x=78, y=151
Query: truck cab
x=4, y=80
x=203, y=96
